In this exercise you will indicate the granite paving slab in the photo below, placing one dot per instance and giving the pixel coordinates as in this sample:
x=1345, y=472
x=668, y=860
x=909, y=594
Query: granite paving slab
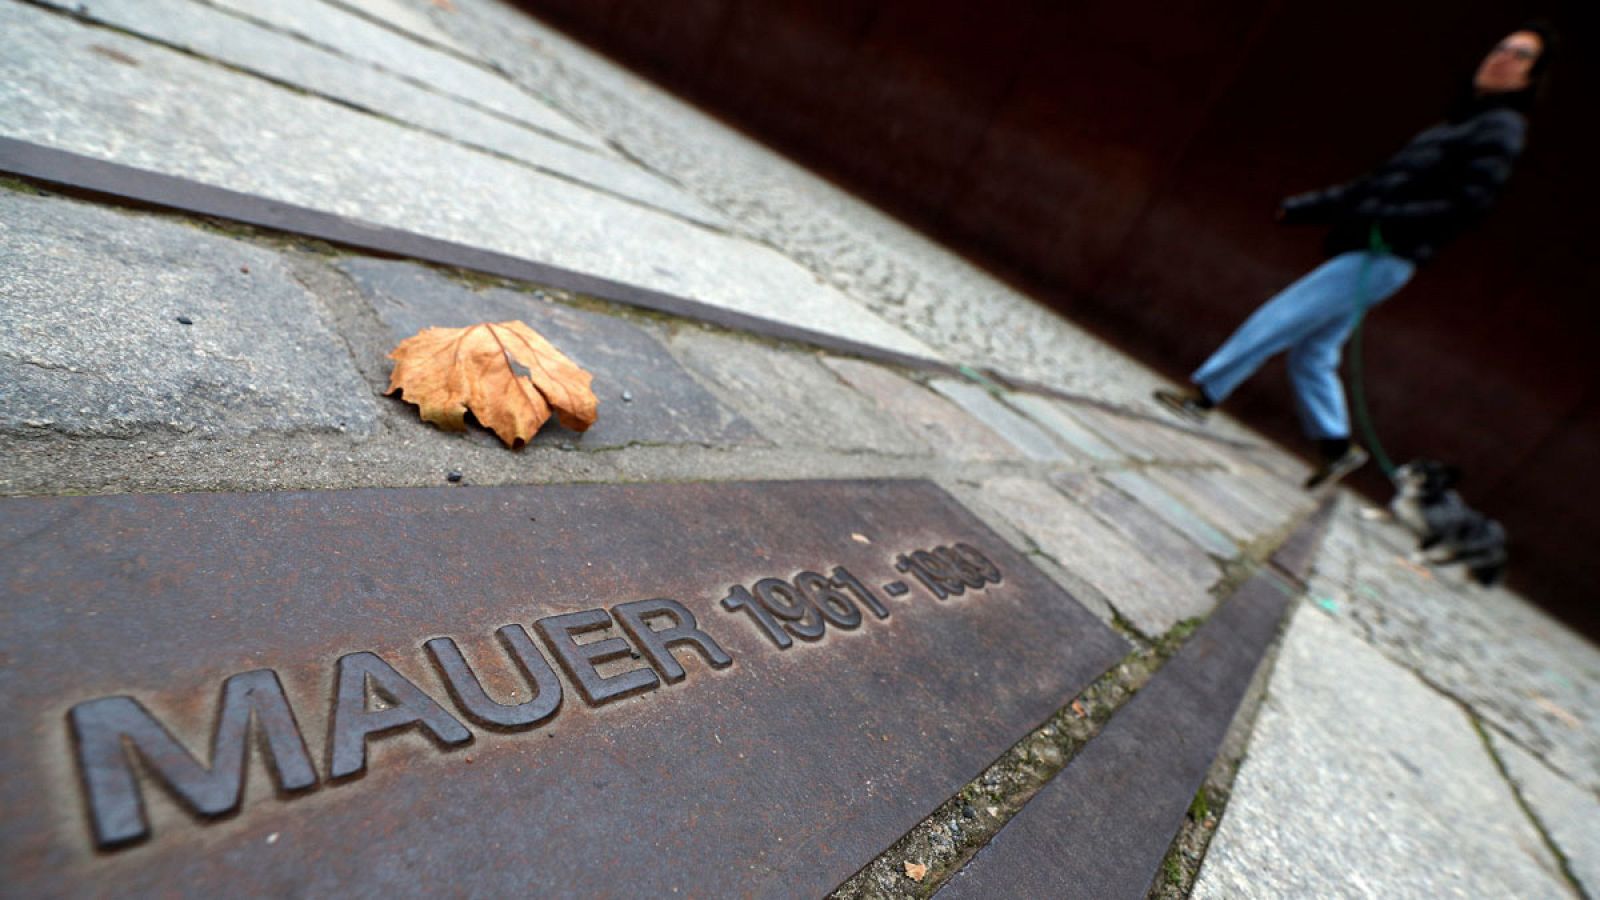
x=942, y=424
x=1033, y=441
x=1267, y=471
x=411, y=18
x=1277, y=491
x=1292, y=469
x=1492, y=650
x=258, y=139
x=1226, y=501
x=1166, y=444
x=113, y=324
x=239, y=42
x=1152, y=441
x=1057, y=418
x=1114, y=431
x=793, y=399
x=1360, y=781
x=1136, y=582
x=1276, y=497
x=1236, y=443
x=1140, y=525
x=1271, y=494
x=338, y=29
x=645, y=395
x=1175, y=513
x=971, y=495
x=1567, y=812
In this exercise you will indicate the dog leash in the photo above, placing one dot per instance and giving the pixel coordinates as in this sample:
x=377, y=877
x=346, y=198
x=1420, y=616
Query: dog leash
x=1358, y=395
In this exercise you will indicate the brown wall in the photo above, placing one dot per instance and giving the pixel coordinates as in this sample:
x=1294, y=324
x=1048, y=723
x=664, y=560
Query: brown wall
x=1121, y=160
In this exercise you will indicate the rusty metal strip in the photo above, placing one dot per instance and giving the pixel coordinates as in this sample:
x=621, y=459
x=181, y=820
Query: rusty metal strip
x=126, y=184
x=1293, y=558
x=1101, y=828
x=630, y=690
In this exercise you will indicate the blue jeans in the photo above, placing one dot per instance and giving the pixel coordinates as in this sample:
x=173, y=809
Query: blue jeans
x=1311, y=319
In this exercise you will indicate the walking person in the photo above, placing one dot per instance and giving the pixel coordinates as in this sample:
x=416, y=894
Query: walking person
x=1383, y=224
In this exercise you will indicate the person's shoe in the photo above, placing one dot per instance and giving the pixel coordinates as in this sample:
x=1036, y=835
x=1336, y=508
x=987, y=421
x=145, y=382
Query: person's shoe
x=1335, y=469
x=1184, y=406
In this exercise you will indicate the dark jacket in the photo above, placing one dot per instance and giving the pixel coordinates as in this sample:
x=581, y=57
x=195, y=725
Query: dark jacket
x=1444, y=180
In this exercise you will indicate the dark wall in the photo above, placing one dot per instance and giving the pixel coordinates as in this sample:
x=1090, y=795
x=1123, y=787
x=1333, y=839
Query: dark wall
x=1121, y=161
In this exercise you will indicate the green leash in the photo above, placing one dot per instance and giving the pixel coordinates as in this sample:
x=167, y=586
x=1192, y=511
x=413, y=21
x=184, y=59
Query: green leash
x=1358, y=394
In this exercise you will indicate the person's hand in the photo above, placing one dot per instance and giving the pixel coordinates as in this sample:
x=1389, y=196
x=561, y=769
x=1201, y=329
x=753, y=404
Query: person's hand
x=1302, y=208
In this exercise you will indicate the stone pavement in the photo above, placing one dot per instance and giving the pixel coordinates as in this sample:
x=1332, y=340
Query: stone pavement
x=1418, y=736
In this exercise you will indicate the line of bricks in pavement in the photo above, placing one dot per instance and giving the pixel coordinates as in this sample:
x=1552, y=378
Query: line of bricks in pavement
x=685, y=402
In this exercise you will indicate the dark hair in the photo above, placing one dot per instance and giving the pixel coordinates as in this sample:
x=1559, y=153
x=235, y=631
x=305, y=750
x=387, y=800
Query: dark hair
x=1468, y=103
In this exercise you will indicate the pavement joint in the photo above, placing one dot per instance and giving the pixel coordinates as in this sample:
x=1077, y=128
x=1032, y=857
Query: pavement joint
x=90, y=20
x=409, y=35
x=1458, y=700
x=1471, y=645
x=413, y=81
x=1522, y=803
x=1345, y=740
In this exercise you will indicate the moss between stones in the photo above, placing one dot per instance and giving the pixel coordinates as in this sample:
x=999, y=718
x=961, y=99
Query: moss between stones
x=957, y=829
x=1181, y=866
x=19, y=186
x=946, y=840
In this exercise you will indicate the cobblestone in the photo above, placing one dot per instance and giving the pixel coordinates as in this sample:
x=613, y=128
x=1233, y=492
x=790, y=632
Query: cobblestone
x=115, y=325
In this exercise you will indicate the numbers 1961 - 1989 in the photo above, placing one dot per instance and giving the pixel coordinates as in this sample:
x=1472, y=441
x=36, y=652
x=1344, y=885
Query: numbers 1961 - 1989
x=804, y=606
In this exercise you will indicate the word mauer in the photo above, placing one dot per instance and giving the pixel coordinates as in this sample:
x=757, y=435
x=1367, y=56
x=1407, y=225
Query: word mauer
x=639, y=652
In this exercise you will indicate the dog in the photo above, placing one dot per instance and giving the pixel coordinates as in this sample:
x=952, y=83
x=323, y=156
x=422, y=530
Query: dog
x=1449, y=531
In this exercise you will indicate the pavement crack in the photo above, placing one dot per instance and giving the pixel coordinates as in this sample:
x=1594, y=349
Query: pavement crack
x=1550, y=844
x=53, y=367
x=411, y=36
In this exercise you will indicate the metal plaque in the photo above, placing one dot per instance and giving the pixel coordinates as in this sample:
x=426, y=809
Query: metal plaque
x=702, y=689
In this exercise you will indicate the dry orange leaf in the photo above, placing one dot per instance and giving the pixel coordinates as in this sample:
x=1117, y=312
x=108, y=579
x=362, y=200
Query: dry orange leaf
x=506, y=373
x=916, y=871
